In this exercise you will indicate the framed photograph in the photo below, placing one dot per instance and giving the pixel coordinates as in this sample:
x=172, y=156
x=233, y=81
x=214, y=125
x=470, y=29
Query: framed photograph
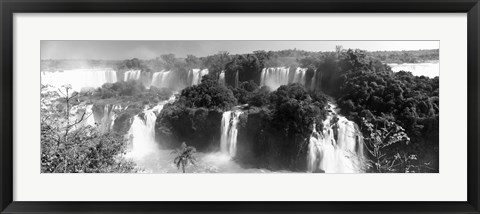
x=241, y=106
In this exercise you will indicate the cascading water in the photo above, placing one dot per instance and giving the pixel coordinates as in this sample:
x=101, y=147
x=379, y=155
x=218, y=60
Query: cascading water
x=229, y=130
x=162, y=79
x=132, y=75
x=275, y=77
x=89, y=79
x=79, y=78
x=221, y=78
x=89, y=119
x=108, y=118
x=195, y=76
x=81, y=115
x=299, y=76
x=313, y=83
x=338, y=148
x=142, y=132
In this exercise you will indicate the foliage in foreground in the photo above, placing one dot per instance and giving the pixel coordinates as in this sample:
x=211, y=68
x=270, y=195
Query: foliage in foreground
x=70, y=146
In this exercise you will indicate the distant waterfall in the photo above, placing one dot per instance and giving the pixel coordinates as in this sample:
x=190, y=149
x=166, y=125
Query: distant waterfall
x=90, y=120
x=221, y=78
x=89, y=79
x=275, y=77
x=195, y=76
x=313, y=83
x=299, y=76
x=132, y=75
x=142, y=131
x=163, y=79
x=338, y=148
x=79, y=78
x=229, y=130
x=109, y=116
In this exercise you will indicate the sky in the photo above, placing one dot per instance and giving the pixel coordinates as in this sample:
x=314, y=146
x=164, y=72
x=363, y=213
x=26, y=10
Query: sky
x=119, y=50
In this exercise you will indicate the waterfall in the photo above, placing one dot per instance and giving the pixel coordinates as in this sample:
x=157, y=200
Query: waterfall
x=90, y=120
x=83, y=79
x=79, y=78
x=313, y=83
x=229, y=130
x=275, y=77
x=83, y=115
x=299, y=76
x=338, y=148
x=142, y=134
x=132, y=75
x=142, y=131
x=195, y=76
x=221, y=78
x=162, y=79
x=108, y=118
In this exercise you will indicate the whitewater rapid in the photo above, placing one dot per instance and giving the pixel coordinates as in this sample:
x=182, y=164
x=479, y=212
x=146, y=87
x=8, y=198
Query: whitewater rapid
x=141, y=134
x=338, y=148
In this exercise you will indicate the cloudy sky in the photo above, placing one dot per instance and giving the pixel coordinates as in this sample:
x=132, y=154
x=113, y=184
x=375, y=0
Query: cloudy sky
x=150, y=49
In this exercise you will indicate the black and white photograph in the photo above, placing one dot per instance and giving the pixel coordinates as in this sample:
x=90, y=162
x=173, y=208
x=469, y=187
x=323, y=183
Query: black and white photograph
x=239, y=106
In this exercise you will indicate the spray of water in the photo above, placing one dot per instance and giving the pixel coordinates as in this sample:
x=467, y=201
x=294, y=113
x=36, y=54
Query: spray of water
x=79, y=78
x=195, y=76
x=142, y=132
x=132, y=75
x=338, y=148
x=278, y=76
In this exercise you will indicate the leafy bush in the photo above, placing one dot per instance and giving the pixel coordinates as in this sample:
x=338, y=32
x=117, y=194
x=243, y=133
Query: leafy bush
x=69, y=146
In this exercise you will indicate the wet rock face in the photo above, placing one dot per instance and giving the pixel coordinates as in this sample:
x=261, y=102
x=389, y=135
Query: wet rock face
x=263, y=146
x=196, y=127
x=124, y=120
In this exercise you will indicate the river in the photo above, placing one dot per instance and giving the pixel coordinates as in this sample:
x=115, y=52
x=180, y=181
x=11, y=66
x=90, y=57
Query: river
x=428, y=69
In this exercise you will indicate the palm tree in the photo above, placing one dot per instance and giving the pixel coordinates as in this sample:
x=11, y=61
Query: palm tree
x=184, y=155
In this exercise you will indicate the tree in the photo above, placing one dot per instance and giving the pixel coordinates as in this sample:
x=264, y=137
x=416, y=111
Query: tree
x=208, y=94
x=216, y=63
x=379, y=141
x=192, y=61
x=244, y=92
x=184, y=155
x=243, y=68
x=169, y=61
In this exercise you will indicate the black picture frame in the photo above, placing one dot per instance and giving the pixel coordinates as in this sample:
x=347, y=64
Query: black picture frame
x=9, y=7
